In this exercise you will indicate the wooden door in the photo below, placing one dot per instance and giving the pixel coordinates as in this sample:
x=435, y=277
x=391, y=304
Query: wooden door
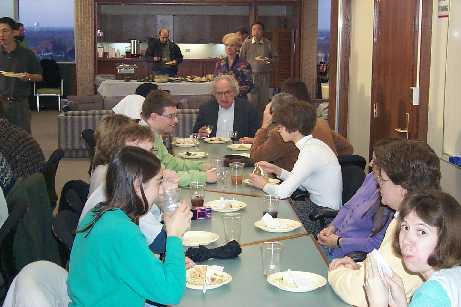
x=395, y=71
x=283, y=41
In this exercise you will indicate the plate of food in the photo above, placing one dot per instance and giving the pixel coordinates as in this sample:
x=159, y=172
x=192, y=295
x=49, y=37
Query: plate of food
x=225, y=205
x=278, y=225
x=296, y=281
x=217, y=140
x=185, y=142
x=215, y=278
x=270, y=180
x=192, y=154
x=197, y=238
x=239, y=147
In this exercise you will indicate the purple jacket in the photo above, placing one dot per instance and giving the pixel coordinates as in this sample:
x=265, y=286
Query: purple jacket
x=354, y=221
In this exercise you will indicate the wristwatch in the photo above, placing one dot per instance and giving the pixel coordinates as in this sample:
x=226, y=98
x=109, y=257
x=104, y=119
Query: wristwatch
x=337, y=242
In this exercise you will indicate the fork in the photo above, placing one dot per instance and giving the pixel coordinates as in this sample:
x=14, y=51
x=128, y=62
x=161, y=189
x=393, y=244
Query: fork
x=205, y=281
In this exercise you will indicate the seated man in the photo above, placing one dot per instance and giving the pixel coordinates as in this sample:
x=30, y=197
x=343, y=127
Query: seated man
x=227, y=113
x=316, y=170
x=159, y=113
x=131, y=105
x=20, y=152
x=405, y=167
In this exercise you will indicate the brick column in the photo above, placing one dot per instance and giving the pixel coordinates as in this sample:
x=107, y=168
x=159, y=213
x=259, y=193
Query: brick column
x=85, y=52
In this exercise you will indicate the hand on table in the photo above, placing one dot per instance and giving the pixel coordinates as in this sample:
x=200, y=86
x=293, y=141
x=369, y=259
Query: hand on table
x=330, y=240
x=246, y=140
x=346, y=262
x=211, y=175
x=258, y=181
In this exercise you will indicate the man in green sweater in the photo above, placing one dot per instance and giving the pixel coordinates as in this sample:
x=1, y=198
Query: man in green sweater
x=159, y=113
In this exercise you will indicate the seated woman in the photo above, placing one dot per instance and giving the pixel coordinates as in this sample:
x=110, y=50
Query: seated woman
x=231, y=64
x=316, y=170
x=110, y=263
x=405, y=168
x=107, y=138
x=429, y=241
x=269, y=146
x=339, y=144
x=361, y=223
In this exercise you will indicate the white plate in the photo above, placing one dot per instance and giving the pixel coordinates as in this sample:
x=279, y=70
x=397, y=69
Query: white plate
x=223, y=278
x=231, y=205
x=185, y=142
x=196, y=238
x=216, y=140
x=192, y=154
x=239, y=146
x=287, y=225
x=270, y=180
x=243, y=154
x=312, y=281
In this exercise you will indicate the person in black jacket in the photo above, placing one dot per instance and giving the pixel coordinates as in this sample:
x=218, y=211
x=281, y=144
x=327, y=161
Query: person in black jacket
x=165, y=54
x=226, y=113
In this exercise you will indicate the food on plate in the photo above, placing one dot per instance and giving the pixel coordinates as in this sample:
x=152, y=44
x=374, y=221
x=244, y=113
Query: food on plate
x=197, y=274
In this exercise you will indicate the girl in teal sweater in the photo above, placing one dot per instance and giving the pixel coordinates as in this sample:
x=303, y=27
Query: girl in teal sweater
x=110, y=263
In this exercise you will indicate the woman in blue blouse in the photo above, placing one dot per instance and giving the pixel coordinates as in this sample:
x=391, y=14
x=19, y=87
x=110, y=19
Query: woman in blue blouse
x=429, y=242
x=231, y=64
x=110, y=263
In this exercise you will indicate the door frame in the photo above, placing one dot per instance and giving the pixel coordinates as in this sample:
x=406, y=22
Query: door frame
x=339, y=78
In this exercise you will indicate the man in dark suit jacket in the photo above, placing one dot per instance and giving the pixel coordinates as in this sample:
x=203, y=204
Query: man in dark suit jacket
x=166, y=55
x=225, y=113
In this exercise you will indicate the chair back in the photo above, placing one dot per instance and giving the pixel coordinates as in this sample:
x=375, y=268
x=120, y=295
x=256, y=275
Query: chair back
x=353, y=174
x=49, y=172
x=51, y=75
x=40, y=283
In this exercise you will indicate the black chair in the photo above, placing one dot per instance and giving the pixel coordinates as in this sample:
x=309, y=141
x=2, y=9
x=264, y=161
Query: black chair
x=52, y=84
x=90, y=142
x=353, y=175
x=49, y=172
x=7, y=233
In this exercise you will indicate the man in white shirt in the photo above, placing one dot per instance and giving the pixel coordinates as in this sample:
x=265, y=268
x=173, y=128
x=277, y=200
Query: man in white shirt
x=227, y=112
x=316, y=170
x=131, y=105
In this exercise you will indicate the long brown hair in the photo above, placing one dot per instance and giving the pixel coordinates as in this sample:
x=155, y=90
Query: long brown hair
x=130, y=165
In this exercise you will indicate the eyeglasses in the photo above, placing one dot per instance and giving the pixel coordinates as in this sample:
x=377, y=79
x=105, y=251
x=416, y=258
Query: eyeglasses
x=170, y=116
x=381, y=180
x=226, y=93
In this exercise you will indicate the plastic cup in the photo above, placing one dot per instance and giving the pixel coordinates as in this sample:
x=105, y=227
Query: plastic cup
x=271, y=253
x=232, y=226
x=271, y=205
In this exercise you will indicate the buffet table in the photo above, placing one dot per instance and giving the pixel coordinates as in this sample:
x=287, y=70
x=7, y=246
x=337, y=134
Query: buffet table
x=109, y=88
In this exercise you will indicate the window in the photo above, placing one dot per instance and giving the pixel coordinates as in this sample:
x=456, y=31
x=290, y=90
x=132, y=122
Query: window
x=49, y=28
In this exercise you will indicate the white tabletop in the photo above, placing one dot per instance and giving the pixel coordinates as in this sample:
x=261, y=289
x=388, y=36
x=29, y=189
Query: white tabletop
x=109, y=88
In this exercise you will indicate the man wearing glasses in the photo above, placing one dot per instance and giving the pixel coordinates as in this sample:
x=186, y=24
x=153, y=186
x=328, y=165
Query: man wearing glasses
x=226, y=113
x=159, y=113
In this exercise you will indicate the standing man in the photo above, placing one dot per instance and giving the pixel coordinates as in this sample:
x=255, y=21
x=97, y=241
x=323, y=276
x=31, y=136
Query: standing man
x=257, y=51
x=19, y=68
x=166, y=54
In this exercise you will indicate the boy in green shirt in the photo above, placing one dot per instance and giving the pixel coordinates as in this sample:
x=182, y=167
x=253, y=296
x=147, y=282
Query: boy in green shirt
x=159, y=113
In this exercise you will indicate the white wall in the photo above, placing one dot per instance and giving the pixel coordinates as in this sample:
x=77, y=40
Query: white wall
x=360, y=75
x=451, y=175
x=360, y=88
x=7, y=8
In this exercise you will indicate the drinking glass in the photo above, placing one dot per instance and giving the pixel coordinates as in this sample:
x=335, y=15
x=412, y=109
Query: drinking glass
x=209, y=129
x=234, y=136
x=171, y=199
x=196, y=138
x=271, y=253
x=197, y=193
x=232, y=226
x=271, y=205
x=236, y=172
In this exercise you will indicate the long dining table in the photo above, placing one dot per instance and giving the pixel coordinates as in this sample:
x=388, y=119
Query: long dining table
x=249, y=286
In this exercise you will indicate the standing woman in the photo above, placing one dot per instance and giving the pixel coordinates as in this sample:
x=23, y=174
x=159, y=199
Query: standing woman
x=232, y=64
x=110, y=263
x=429, y=242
